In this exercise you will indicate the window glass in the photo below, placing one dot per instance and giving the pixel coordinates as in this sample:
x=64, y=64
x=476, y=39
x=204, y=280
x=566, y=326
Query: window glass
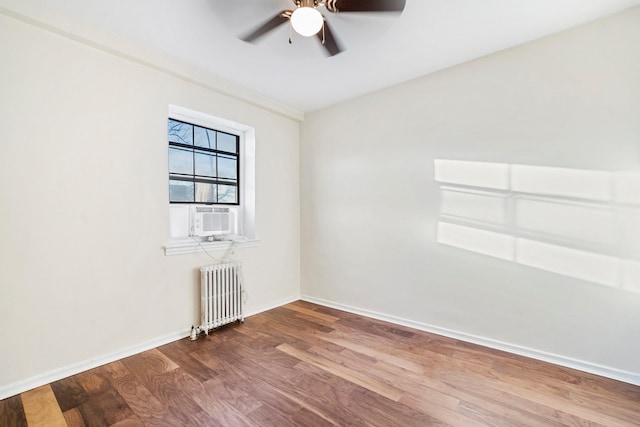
x=205, y=164
x=227, y=167
x=204, y=137
x=181, y=133
x=227, y=194
x=227, y=142
x=181, y=191
x=180, y=161
x=205, y=192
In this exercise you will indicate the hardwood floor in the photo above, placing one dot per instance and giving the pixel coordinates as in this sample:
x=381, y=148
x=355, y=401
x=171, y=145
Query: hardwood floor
x=307, y=365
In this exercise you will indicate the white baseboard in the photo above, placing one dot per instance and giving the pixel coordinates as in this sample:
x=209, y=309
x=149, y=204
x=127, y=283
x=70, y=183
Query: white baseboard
x=67, y=371
x=58, y=374
x=584, y=366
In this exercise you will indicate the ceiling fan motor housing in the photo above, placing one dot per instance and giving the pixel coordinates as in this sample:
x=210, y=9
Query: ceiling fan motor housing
x=307, y=3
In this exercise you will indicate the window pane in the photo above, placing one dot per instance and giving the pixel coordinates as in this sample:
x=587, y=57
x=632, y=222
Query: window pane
x=180, y=191
x=180, y=161
x=205, y=164
x=204, y=137
x=227, y=167
x=227, y=142
x=227, y=194
x=180, y=132
x=205, y=193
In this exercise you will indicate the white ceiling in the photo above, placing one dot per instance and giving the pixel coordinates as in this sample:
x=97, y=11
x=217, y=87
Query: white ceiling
x=381, y=49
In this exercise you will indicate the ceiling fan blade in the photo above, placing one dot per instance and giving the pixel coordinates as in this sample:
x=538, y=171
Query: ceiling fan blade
x=328, y=40
x=271, y=24
x=365, y=5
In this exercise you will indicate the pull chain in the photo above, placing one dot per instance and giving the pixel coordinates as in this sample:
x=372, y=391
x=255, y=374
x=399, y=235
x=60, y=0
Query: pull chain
x=290, y=31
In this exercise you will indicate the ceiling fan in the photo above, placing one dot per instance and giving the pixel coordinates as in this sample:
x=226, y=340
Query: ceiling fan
x=307, y=20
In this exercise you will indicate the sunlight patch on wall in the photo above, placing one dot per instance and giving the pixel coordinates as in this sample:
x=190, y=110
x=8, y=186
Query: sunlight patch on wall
x=473, y=239
x=574, y=222
x=589, y=266
x=573, y=183
x=478, y=174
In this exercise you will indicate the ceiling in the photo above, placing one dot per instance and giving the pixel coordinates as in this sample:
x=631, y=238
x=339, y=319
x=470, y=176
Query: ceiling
x=382, y=49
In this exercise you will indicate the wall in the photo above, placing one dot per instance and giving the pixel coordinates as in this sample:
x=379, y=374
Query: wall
x=84, y=201
x=372, y=211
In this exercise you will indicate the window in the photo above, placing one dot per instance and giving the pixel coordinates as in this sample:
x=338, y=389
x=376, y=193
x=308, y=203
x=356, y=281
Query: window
x=204, y=164
x=211, y=162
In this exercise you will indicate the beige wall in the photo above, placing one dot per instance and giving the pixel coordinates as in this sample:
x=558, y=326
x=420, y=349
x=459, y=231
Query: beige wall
x=84, y=205
x=371, y=205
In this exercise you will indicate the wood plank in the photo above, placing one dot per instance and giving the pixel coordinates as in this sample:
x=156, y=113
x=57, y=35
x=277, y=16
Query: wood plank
x=129, y=422
x=41, y=408
x=180, y=352
x=74, y=418
x=390, y=413
x=99, y=403
x=93, y=382
x=384, y=329
x=69, y=393
x=321, y=418
x=215, y=404
x=365, y=381
x=443, y=413
x=282, y=315
x=144, y=404
x=311, y=314
x=170, y=389
x=148, y=366
x=487, y=417
x=331, y=311
x=281, y=406
x=400, y=362
x=12, y=413
x=235, y=391
x=105, y=408
x=152, y=361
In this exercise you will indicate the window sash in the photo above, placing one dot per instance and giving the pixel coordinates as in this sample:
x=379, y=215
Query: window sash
x=186, y=140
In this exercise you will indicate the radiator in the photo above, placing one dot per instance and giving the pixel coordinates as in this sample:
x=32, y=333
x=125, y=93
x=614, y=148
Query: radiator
x=221, y=295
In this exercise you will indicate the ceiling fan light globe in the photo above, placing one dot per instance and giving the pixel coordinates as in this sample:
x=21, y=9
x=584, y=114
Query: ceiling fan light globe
x=306, y=21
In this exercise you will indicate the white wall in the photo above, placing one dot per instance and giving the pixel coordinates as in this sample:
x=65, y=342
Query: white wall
x=84, y=203
x=371, y=206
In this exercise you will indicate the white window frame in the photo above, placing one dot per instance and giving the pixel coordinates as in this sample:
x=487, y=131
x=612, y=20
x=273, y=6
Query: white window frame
x=245, y=211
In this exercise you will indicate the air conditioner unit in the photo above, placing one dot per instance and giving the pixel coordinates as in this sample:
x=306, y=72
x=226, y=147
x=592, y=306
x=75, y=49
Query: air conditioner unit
x=210, y=221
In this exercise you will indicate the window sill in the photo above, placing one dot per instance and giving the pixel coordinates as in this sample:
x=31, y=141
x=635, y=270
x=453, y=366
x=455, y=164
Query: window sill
x=188, y=246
